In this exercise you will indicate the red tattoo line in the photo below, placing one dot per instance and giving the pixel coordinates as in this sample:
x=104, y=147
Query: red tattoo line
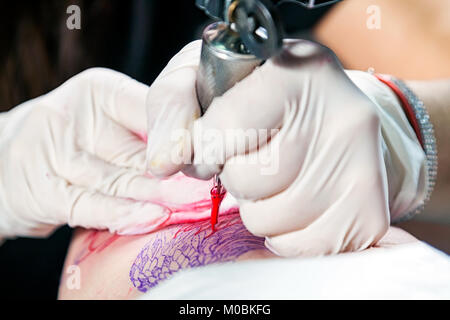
x=93, y=247
x=206, y=226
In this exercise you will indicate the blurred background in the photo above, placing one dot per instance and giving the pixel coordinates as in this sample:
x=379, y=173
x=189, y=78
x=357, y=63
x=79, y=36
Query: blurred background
x=138, y=37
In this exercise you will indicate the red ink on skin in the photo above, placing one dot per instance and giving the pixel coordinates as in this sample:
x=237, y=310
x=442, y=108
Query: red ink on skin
x=177, y=214
x=174, y=217
x=217, y=195
x=141, y=136
x=205, y=225
x=129, y=292
x=197, y=206
x=93, y=247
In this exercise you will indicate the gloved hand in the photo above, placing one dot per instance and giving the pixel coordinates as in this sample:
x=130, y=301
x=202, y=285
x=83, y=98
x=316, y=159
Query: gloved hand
x=346, y=158
x=77, y=156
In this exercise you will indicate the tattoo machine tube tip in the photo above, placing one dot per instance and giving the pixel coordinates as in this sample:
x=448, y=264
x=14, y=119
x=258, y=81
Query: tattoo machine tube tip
x=224, y=61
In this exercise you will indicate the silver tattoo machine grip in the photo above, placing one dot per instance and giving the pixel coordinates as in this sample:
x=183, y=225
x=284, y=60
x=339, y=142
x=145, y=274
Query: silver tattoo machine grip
x=232, y=49
x=251, y=32
x=224, y=61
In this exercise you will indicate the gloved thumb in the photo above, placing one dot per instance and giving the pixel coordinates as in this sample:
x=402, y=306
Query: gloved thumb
x=172, y=107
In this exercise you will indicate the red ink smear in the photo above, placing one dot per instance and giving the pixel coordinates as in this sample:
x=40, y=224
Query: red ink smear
x=205, y=225
x=217, y=195
x=194, y=207
x=148, y=175
x=197, y=206
x=130, y=290
x=93, y=247
x=141, y=136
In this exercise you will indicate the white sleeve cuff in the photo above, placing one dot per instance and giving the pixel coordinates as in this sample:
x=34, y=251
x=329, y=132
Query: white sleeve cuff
x=404, y=157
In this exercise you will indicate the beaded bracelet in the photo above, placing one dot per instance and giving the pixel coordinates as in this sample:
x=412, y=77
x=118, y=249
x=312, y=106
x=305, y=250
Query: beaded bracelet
x=420, y=121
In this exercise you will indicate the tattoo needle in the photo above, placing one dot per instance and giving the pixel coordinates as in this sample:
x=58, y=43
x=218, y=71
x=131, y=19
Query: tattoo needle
x=217, y=195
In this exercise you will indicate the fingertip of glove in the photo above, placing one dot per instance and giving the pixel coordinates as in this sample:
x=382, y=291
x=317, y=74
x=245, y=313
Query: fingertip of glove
x=269, y=245
x=162, y=169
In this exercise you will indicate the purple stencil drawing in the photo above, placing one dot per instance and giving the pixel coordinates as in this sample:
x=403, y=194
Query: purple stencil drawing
x=190, y=247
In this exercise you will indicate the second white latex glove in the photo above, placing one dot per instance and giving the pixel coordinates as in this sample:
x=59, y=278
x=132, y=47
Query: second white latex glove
x=77, y=155
x=335, y=147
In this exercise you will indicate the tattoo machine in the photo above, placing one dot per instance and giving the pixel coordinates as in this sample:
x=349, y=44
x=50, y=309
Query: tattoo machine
x=247, y=33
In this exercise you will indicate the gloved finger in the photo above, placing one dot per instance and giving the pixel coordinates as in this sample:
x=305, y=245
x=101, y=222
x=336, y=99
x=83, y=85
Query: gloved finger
x=333, y=233
x=202, y=170
x=172, y=106
x=90, y=209
x=231, y=124
x=86, y=170
x=119, y=96
x=275, y=215
x=264, y=172
x=117, y=145
x=258, y=102
x=304, y=202
x=262, y=101
x=187, y=57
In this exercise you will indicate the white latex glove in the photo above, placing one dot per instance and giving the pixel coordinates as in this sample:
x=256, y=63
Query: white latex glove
x=348, y=159
x=77, y=156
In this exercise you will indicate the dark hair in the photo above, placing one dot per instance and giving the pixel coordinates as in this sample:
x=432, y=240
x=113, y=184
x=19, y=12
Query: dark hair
x=38, y=52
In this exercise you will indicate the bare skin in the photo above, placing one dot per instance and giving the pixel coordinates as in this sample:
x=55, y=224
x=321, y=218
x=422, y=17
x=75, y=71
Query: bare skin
x=114, y=267
x=413, y=41
x=105, y=273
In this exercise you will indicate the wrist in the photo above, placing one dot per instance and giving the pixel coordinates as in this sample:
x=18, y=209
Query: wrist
x=408, y=167
x=11, y=222
x=419, y=120
x=436, y=96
